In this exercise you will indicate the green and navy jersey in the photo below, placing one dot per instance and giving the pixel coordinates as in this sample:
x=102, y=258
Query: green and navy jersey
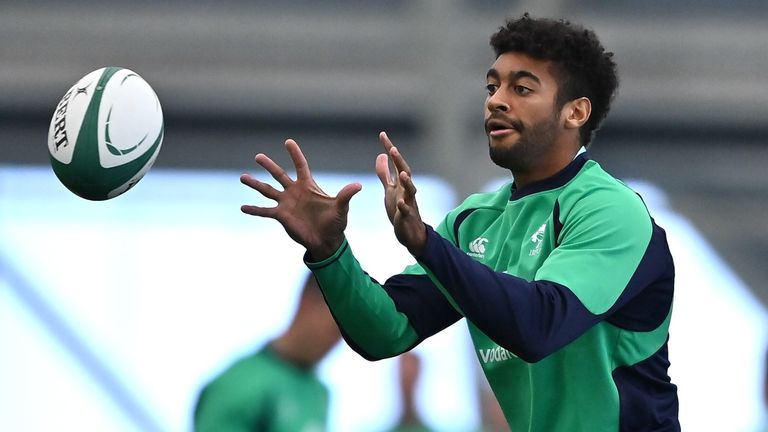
x=566, y=286
x=262, y=392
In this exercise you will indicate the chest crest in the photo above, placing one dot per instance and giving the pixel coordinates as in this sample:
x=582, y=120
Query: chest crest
x=537, y=240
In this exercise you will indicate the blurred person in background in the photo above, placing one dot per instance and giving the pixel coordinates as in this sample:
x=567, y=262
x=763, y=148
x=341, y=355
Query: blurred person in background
x=409, y=371
x=275, y=388
x=565, y=280
x=491, y=415
x=765, y=391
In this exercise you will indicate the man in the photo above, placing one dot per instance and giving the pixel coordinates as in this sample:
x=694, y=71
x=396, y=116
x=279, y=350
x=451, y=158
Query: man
x=409, y=368
x=491, y=416
x=563, y=277
x=765, y=387
x=275, y=389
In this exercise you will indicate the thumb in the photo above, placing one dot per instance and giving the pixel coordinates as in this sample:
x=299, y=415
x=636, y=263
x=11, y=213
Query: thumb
x=346, y=194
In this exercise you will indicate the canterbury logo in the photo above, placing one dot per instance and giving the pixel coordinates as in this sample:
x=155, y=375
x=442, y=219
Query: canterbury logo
x=477, y=247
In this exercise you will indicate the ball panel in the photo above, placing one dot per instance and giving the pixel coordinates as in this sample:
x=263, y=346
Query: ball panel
x=96, y=183
x=119, y=135
x=132, y=119
x=152, y=155
x=67, y=119
x=84, y=175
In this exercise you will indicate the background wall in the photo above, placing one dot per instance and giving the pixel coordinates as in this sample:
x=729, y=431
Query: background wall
x=236, y=78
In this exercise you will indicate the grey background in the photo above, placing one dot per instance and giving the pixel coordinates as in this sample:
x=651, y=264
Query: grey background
x=237, y=77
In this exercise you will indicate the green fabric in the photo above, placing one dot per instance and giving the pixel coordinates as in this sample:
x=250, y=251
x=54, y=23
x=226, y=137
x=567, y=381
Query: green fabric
x=262, y=392
x=606, y=230
x=382, y=330
x=606, y=218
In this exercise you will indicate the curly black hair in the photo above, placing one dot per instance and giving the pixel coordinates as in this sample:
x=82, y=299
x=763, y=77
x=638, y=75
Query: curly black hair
x=582, y=66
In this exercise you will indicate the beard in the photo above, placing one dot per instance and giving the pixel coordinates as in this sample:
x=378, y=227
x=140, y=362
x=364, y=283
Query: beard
x=533, y=143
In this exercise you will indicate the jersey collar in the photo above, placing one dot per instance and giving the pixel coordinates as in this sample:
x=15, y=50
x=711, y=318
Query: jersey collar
x=561, y=178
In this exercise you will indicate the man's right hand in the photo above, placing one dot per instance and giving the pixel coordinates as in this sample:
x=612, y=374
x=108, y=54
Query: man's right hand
x=311, y=217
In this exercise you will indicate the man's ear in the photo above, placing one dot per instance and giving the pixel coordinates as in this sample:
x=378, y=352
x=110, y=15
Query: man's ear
x=576, y=112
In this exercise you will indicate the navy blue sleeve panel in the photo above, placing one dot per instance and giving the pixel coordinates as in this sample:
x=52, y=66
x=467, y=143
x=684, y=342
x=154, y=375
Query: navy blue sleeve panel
x=530, y=319
x=647, y=397
x=381, y=320
x=648, y=297
x=421, y=301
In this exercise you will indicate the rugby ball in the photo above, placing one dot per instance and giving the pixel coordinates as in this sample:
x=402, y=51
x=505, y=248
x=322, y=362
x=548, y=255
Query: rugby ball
x=106, y=133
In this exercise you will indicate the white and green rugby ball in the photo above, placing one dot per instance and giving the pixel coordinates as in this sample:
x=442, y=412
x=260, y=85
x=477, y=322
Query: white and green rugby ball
x=106, y=133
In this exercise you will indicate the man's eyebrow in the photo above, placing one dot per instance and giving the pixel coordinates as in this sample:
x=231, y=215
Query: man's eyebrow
x=492, y=73
x=524, y=74
x=513, y=76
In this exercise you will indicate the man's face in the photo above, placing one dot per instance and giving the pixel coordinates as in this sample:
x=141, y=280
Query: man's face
x=521, y=120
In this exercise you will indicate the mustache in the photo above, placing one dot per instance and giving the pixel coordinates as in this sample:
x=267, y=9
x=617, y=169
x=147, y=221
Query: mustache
x=501, y=122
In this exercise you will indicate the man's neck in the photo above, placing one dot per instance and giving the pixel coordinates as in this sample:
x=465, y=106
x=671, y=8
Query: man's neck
x=546, y=169
x=284, y=348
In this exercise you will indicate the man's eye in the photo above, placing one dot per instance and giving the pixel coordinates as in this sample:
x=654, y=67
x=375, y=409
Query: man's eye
x=521, y=90
x=491, y=88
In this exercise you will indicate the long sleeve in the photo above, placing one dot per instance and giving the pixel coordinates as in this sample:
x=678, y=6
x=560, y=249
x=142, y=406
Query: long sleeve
x=603, y=258
x=381, y=320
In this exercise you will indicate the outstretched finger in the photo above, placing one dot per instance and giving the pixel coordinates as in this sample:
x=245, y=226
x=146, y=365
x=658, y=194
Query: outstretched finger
x=261, y=187
x=385, y=141
x=268, y=212
x=394, y=153
x=397, y=158
x=406, y=181
x=299, y=160
x=277, y=172
x=382, y=170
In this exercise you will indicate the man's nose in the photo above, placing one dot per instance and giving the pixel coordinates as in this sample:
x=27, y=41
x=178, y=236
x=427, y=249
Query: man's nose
x=496, y=102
